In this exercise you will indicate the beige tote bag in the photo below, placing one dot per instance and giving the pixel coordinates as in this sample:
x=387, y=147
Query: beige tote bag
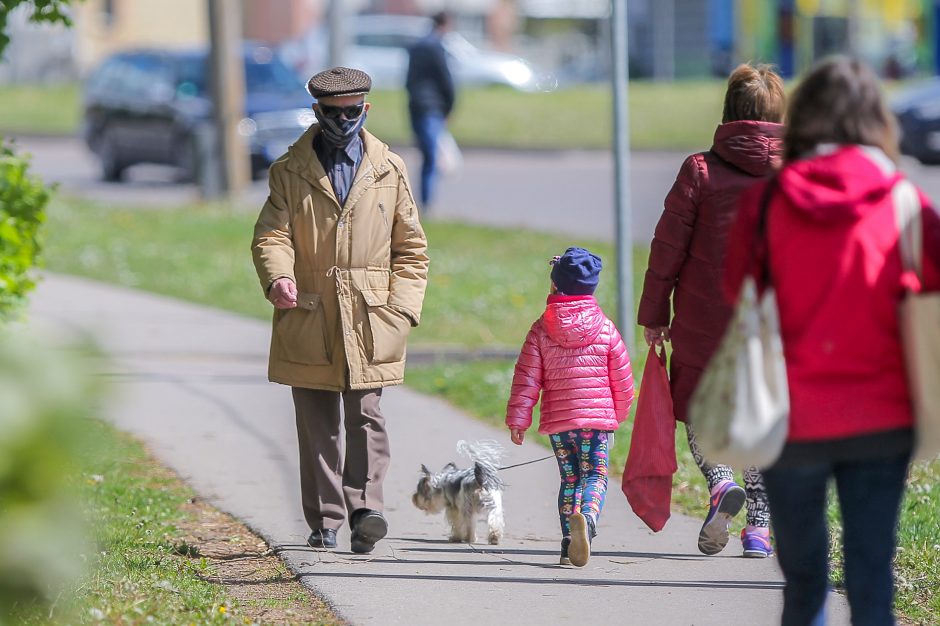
x=741, y=406
x=919, y=319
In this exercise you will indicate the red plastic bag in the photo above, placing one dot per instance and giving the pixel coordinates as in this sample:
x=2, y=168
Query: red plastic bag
x=647, y=475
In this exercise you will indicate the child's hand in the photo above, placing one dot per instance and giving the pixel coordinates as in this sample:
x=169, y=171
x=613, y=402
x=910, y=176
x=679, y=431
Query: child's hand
x=517, y=436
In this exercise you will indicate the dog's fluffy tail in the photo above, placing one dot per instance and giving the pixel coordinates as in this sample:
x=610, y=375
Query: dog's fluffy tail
x=487, y=457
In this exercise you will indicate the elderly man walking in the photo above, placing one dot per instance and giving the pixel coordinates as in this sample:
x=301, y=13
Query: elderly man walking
x=341, y=255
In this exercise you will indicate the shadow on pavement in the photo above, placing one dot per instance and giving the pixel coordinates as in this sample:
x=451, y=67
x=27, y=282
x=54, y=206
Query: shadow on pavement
x=580, y=582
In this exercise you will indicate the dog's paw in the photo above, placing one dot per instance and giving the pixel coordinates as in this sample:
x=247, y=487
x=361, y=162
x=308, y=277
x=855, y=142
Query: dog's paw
x=494, y=539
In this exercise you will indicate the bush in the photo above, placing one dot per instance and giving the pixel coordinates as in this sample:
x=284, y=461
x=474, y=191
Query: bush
x=45, y=403
x=23, y=200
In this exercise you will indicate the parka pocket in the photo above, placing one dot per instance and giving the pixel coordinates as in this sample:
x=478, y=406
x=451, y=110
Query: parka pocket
x=301, y=332
x=388, y=329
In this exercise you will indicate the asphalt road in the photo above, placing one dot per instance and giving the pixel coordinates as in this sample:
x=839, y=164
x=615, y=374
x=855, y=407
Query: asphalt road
x=567, y=192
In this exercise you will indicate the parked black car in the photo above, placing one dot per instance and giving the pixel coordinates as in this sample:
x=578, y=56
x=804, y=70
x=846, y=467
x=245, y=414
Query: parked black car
x=918, y=112
x=149, y=106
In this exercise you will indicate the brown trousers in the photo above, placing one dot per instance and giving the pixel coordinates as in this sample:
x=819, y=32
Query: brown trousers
x=329, y=487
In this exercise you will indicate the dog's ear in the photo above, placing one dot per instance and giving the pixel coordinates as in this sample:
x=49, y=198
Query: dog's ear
x=425, y=470
x=479, y=475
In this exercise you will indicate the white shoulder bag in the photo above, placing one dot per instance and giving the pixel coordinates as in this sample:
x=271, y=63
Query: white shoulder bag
x=740, y=409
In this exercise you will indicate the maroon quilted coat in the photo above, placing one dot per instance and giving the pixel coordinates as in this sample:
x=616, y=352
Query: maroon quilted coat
x=688, y=247
x=574, y=356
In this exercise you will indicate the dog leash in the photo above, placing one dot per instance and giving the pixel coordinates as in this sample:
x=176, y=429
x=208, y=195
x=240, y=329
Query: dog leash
x=544, y=458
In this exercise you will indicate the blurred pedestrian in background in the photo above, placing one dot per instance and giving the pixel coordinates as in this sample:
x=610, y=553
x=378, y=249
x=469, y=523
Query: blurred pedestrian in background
x=431, y=96
x=686, y=257
x=341, y=255
x=830, y=250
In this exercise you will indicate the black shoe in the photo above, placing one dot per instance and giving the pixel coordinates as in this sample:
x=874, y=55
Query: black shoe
x=564, y=560
x=368, y=527
x=592, y=531
x=322, y=538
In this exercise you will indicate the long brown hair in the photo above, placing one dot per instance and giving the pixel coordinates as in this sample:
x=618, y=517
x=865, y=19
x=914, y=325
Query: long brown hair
x=839, y=102
x=755, y=92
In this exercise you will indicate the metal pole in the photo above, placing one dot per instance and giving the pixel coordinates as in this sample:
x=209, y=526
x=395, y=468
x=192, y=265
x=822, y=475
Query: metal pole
x=619, y=50
x=227, y=77
x=853, y=27
x=336, y=15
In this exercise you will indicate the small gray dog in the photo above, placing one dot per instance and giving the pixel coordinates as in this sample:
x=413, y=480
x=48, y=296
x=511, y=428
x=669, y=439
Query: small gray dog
x=464, y=494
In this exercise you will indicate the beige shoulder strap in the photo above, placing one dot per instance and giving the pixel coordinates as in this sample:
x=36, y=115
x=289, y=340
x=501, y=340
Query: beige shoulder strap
x=907, y=212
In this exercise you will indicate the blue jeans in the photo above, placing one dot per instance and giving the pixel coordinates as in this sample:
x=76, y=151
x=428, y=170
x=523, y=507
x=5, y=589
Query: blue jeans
x=427, y=128
x=869, y=499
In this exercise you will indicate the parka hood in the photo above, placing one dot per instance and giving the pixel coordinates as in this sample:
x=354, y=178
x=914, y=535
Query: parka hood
x=755, y=147
x=573, y=321
x=837, y=183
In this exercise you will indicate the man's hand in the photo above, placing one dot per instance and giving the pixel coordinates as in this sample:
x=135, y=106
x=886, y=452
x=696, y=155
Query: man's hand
x=656, y=335
x=517, y=436
x=283, y=293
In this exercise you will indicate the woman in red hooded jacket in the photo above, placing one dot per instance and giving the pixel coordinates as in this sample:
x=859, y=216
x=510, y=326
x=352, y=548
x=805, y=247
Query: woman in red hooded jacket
x=685, y=264
x=831, y=249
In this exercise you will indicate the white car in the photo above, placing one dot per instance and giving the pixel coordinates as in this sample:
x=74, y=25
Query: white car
x=379, y=46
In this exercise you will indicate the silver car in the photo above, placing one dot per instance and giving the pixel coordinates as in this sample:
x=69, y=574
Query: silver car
x=379, y=46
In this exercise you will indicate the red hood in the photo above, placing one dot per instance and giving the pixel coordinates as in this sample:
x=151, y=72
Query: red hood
x=839, y=182
x=572, y=321
x=754, y=147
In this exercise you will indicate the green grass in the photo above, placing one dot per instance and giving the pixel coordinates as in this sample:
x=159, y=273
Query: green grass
x=665, y=116
x=201, y=254
x=134, y=573
x=47, y=110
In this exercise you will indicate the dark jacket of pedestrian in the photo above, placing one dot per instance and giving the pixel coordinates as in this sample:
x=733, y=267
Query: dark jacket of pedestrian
x=429, y=82
x=688, y=247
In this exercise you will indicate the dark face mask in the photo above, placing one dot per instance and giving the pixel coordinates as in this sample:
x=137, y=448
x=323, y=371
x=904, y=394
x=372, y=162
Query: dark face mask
x=337, y=131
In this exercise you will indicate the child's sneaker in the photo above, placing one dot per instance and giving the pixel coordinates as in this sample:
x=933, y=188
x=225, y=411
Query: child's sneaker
x=756, y=542
x=564, y=560
x=579, y=551
x=726, y=500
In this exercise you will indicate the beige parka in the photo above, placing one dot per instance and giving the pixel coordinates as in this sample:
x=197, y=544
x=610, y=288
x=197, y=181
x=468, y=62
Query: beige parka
x=360, y=269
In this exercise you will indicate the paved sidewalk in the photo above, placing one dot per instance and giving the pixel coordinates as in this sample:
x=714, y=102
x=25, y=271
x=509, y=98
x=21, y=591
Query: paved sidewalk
x=190, y=381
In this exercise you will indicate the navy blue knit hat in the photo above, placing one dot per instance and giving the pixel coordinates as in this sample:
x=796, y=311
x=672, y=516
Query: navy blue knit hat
x=576, y=272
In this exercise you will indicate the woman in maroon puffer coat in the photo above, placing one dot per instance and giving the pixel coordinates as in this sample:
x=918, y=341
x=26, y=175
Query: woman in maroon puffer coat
x=685, y=263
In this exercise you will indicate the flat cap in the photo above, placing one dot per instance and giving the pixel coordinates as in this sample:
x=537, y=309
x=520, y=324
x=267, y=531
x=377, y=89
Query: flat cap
x=339, y=81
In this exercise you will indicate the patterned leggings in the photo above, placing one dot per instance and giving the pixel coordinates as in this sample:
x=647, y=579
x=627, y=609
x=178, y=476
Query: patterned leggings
x=582, y=462
x=758, y=510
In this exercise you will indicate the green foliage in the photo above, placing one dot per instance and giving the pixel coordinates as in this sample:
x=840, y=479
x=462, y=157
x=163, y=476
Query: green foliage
x=23, y=200
x=44, y=11
x=43, y=404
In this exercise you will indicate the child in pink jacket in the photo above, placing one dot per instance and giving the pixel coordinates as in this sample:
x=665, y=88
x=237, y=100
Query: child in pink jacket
x=574, y=357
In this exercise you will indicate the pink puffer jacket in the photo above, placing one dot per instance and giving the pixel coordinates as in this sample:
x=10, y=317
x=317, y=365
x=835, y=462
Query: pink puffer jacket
x=575, y=357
